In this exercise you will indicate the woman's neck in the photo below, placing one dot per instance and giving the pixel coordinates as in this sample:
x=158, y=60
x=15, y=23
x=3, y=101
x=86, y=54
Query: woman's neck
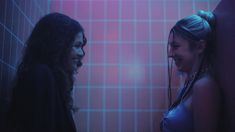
x=198, y=65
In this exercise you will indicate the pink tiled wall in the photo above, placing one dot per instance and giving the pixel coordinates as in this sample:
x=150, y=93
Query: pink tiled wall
x=122, y=86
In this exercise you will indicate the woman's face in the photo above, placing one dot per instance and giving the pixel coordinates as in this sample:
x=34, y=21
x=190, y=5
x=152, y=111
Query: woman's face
x=181, y=53
x=77, y=52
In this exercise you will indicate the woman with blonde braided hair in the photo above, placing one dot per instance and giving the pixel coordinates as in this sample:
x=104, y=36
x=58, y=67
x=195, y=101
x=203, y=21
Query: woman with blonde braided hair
x=197, y=108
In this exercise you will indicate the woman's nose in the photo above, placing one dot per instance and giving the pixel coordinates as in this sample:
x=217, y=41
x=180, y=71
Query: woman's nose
x=81, y=52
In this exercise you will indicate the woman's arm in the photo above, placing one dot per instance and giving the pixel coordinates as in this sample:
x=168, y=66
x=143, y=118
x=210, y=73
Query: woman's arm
x=206, y=105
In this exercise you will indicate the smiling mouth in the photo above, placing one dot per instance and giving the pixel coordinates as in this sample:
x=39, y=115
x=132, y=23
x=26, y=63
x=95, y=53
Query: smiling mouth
x=177, y=61
x=79, y=63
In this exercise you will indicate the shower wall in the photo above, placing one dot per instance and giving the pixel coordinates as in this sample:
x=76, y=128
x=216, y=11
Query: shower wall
x=122, y=86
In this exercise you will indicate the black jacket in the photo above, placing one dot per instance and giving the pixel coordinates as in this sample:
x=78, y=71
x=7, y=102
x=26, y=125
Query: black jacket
x=38, y=104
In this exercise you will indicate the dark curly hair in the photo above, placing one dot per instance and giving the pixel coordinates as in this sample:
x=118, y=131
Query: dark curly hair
x=50, y=43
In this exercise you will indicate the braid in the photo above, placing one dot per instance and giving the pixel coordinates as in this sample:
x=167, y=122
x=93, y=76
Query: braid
x=188, y=86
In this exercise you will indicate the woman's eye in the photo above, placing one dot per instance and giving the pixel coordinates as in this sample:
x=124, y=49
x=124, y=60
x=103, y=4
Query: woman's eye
x=77, y=45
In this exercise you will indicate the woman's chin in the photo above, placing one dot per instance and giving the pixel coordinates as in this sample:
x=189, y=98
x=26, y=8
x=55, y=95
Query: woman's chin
x=179, y=68
x=75, y=69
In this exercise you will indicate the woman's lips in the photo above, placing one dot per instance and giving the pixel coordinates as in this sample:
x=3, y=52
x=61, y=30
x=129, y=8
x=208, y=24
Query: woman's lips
x=78, y=62
x=177, y=61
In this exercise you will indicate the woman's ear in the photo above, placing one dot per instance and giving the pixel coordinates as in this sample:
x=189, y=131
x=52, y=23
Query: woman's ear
x=201, y=46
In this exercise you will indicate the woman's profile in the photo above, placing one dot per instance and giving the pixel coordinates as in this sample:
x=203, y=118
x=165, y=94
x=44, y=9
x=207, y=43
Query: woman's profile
x=41, y=100
x=198, y=105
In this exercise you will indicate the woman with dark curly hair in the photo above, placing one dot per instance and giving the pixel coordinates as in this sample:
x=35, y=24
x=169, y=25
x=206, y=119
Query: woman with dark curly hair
x=41, y=100
x=198, y=105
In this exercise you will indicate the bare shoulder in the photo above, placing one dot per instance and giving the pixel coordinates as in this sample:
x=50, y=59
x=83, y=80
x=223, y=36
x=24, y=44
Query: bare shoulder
x=206, y=84
x=206, y=103
x=206, y=90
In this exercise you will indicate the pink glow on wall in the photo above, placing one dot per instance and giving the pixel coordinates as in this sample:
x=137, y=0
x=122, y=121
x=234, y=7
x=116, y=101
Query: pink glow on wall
x=122, y=86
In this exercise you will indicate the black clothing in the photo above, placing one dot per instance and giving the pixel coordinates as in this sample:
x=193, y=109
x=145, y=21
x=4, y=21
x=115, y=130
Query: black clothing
x=39, y=105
